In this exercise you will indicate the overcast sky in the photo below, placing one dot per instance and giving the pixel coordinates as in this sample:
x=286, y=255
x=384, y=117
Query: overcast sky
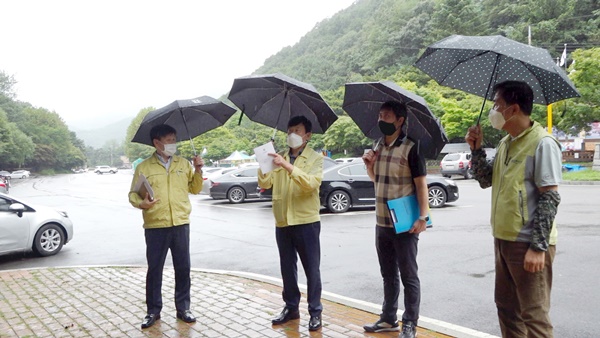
x=95, y=62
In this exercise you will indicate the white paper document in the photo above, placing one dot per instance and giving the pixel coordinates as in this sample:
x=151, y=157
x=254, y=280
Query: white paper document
x=262, y=157
x=142, y=186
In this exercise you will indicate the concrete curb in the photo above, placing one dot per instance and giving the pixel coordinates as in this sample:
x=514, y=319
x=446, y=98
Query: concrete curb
x=580, y=183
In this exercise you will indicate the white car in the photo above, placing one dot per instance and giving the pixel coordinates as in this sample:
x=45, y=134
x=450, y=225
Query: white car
x=105, y=169
x=212, y=172
x=20, y=174
x=25, y=227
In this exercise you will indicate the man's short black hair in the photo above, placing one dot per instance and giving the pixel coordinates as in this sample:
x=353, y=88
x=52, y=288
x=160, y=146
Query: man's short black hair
x=296, y=120
x=160, y=131
x=517, y=92
x=399, y=108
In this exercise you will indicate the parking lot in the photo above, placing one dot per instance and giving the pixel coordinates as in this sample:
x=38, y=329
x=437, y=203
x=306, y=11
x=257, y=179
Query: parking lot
x=455, y=256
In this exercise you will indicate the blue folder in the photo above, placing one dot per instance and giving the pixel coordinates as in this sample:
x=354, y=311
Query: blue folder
x=404, y=211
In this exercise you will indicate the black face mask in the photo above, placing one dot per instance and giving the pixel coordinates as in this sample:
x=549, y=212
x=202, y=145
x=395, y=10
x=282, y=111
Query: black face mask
x=387, y=128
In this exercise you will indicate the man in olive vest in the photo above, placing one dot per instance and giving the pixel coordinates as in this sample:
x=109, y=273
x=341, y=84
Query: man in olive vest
x=524, y=177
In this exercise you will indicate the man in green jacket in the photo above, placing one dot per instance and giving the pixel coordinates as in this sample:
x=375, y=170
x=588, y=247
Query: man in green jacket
x=524, y=178
x=296, y=205
x=167, y=220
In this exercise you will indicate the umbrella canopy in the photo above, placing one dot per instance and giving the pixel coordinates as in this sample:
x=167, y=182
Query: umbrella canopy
x=362, y=101
x=190, y=118
x=273, y=99
x=475, y=64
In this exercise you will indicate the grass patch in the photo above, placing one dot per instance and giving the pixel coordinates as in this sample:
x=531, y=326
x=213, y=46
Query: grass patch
x=582, y=175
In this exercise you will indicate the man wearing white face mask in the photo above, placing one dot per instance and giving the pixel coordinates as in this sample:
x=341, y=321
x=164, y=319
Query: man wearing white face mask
x=524, y=178
x=296, y=205
x=166, y=220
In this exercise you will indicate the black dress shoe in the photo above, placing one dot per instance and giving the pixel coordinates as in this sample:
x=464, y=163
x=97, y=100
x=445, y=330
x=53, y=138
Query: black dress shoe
x=285, y=316
x=186, y=316
x=314, y=323
x=150, y=319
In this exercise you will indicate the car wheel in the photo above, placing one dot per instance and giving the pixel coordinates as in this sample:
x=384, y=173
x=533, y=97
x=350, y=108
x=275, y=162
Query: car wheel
x=437, y=197
x=338, y=201
x=446, y=176
x=48, y=240
x=236, y=195
x=468, y=175
x=112, y=172
x=22, y=177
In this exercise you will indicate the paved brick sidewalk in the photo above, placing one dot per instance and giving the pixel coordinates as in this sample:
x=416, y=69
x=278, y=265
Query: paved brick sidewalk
x=109, y=302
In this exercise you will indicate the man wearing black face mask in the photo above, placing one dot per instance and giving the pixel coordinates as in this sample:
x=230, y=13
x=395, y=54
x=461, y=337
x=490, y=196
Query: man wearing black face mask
x=398, y=169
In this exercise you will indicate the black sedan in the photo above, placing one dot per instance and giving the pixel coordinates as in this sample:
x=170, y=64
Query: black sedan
x=236, y=185
x=348, y=185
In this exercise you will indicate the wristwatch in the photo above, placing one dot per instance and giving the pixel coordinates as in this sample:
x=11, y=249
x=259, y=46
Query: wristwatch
x=424, y=218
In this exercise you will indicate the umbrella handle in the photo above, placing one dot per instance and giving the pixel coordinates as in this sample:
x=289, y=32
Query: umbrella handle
x=487, y=92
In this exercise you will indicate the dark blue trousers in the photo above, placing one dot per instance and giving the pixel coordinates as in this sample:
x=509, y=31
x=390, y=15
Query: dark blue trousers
x=158, y=243
x=300, y=241
x=398, y=252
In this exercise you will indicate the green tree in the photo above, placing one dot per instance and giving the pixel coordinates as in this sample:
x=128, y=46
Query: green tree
x=344, y=135
x=135, y=150
x=580, y=112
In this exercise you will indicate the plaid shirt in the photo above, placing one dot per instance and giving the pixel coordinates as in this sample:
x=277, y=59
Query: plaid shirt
x=395, y=168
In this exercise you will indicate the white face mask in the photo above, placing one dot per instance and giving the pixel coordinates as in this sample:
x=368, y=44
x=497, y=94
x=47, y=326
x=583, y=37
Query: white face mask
x=294, y=140
x=170, y=149
x=496, y=119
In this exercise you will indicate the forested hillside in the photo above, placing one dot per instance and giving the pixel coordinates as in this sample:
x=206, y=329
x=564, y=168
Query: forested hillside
x=380, y=40
x=371, y=40
x=376, y=38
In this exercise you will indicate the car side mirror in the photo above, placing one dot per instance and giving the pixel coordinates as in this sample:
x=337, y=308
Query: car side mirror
x=17, y=208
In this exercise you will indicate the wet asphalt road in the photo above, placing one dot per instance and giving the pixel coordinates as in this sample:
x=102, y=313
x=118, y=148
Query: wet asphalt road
x=455, y=256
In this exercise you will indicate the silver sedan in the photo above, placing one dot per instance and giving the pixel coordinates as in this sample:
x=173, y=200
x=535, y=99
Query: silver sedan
x=25, y=227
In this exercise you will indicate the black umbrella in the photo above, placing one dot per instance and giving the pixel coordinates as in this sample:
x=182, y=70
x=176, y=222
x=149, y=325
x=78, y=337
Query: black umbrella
x=362, y=101
x=475, y=64
x=190, y=118
x=273, y=99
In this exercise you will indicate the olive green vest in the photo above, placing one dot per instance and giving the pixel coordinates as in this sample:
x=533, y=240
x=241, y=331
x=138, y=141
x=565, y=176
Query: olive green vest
x=514, y=192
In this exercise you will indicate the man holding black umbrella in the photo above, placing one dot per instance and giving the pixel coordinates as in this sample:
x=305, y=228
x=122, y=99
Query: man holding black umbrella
x=166, y=219
x=295, y=182
x=398, y=169
x=524, y=178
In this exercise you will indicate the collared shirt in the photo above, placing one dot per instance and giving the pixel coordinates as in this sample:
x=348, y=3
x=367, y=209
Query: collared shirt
x=396, y=167
x=162, y=161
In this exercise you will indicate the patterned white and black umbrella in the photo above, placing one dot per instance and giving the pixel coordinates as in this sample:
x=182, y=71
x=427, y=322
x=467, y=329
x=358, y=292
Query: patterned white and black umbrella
x=273, y=99
x=190, y=118
x=475, y=64
x=362, y=101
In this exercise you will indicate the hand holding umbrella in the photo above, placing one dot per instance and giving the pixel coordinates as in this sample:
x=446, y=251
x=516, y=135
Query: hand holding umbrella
x=474, y=137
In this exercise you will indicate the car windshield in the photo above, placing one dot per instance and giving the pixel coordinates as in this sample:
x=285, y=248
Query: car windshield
x=452, y=157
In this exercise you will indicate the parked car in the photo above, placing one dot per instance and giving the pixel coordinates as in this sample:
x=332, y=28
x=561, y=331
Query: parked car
x=105, y=169
x=348, y=185
x=25, y=227
x=20, y=174
x=212, y=172
x=236, y=186
x=456, y=164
